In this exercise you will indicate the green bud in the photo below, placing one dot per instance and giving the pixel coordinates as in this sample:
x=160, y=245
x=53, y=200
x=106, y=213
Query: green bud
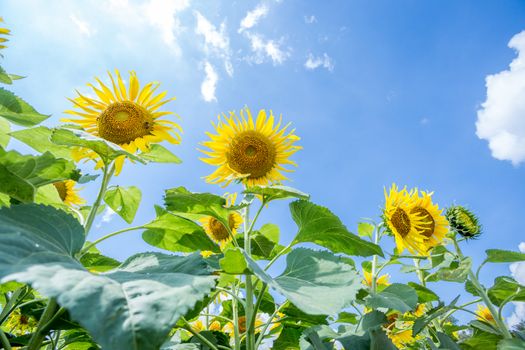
x=463, y=221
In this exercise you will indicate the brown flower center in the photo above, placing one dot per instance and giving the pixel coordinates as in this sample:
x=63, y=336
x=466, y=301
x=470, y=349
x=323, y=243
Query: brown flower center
x=123, y=122
x=218, y=231
x=61, y=189
x=428, y=225
x=251, y=153
x=401, y=222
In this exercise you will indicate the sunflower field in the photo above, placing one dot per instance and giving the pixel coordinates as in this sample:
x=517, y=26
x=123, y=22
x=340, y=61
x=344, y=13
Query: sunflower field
x=206, y=283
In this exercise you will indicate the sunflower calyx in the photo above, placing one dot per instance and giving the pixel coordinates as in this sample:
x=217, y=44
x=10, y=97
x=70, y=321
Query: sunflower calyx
x=463, y=221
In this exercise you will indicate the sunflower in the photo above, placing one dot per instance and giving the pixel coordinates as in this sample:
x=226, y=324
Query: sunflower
x=253, y=153
x=483, y=314
x=3, y=31
x=463, y=221
x=401, y=338
x=19, y=324
x=127, y=117
x=198, y=326
x=435, y=225
x=420, y=310
x=404, y=223
x=216, y=230
x=68, y=193
x=381, y=280
x=230, y=329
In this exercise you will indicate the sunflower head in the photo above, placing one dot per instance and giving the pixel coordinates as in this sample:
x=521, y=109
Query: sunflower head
x=463, y=221
x=127, y=116
x=483, y=314
x=3, y=33
x=252, y=152
x=402, y=222
x=19, y=324
x=216, y=230
x=68, y=193
x=381, y=280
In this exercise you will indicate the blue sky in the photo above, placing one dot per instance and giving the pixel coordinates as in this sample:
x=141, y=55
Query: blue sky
x=379, y=92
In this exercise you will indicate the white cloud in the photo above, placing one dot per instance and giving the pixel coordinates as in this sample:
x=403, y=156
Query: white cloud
x=315, y=62
x=518, y=272
x=215, y=41
x=161, y=13
x=263, y=49
x=253, y=17
x=209, y=84
x=501, y=119
x=107, y=216
x=83, y=26
x=310, y=19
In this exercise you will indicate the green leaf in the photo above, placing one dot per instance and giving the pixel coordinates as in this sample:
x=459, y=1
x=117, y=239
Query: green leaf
x=484, y=326
x=124, y=201
x=4, y=77
x=132, y=307
x=504, y=256
x=177, y=234
x=320, y=226
x=288, y=339
x=373, y=319
x=346, y=317
x=445, y=342
x=98, y=263
x=48, y=195
x=160, y=154
x=17, y=111
x=296, y=317
x=21, y=174
x=430, y=315
x=270, y=231
x=107, y=151
x=5, y=127
x=273, y=192
x=511, y=344
x=481, y=341
x=318, y=337
x=456, y=272
x=261, y=247
x=39, y=138
x=396, y=296
x=234, y=262
x=365, y=229
x=506, y=288
x=310, y=274
x=424, y=294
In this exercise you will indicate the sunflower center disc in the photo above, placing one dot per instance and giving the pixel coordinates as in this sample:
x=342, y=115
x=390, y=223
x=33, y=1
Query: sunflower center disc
x=429, y=224
x=123, y=122
x=219, y=232
x=251, y=153
x=401, y=222
x=61, y=189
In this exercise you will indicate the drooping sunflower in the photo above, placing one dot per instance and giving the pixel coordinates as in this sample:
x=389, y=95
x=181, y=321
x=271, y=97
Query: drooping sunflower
x=129, y=117
x=216, y=230
x=402, y=222
x=434, y=224
x=68, y=193
x=252, y=152
x=483, y=314
x=3, y=32
x=381, y=280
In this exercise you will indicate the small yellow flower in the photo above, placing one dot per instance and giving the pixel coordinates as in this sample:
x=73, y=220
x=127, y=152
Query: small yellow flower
x=420, y=310
x=206, y=253
x=3, y=32
x=252, y=152
x=402, y=339
x=68, y=193
x=19, y=324
x=129, y=117
x=197, y=326
x=483, y=314
x=380, y=281
x=215, y=326
x=229, y=327
x=216, y=230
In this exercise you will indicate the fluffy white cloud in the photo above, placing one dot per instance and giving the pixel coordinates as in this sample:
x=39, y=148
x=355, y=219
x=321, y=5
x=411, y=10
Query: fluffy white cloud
x=209, y=84
x=501, y=119
x=216, y=41
x=264, y=49
x=83, y=26
x=106, y=217
x=315, y=62
x=253, y=17
x=518, y=272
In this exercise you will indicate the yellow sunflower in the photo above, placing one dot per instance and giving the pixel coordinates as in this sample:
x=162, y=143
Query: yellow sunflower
x=68, y=193
x=420, y=310
x=216, y=230
x=483, y=314
x=3, y=32
x=198, y=326
x=128, y=117
x=401, y=338
x=381, y=280
x=435, y=225
x=230, y=329
x=253, y=153
x=404, y=224
x=19, y=324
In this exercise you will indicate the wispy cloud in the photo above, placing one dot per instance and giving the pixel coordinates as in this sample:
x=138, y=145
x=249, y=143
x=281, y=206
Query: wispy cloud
x=209, y=84
x=264, y=49
x=107, y=216
x=501, y=118
x=310, y=19
x=83, y=26
x=216, y=41
x=314, y=62
x=253, y=17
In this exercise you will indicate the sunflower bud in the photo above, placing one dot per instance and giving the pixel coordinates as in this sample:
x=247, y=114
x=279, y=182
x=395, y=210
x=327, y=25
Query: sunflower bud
x=463, y=221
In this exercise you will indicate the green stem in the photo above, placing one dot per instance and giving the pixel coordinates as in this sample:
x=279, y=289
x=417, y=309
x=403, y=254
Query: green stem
x=103, y=187
x=39, y=335
x=101, y=239
x=202, y=338
x=265, y=328
x=421, y=277
x=257, y=305
x=235, y=319
x=278, y=255
x=4, y=340
x=483, y=294
x=11, y=304
x=250, y=333
x=374, y=262
x=233, y=295
x=458, y=308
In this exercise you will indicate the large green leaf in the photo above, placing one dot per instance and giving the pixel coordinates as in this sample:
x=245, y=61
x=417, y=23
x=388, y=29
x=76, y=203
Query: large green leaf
x=276, y=192
x=4, y=77
x=5, y=127
x=511, y=344
x=396, y=296
x=310, y=274
x=233, y=262
x=160, y=154
x=39, y=138
x=288, y=339
x=21, y=174
x=124, y=201
x=17, y=111
x=424, y=294
x=504, y=256
x=457, y=271
x=177, y=234
x=506, y=288
x=320, y=226
x=130, y=308
x=107, y=151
